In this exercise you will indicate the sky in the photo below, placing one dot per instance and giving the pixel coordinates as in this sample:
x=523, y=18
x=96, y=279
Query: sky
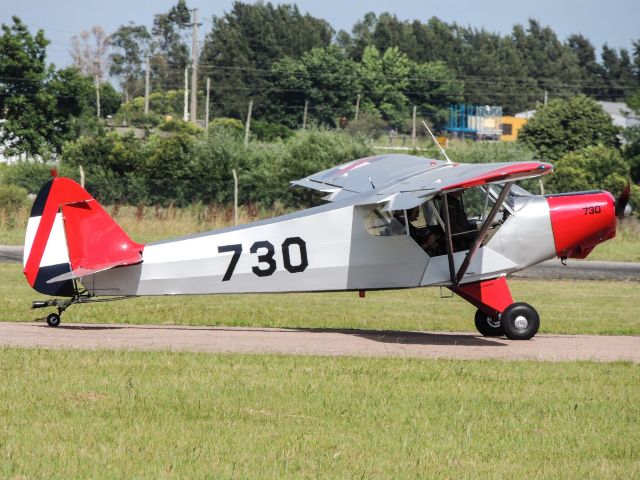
x=614, y=22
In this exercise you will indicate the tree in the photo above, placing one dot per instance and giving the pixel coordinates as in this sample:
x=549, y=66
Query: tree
x=386, y=77
x=170, y=30
x=565, y=126
x=89, y=52
x=24, y=101
x=592, y=72
x=552, y=64
x=432, y=87
x=325, y=77
x=132, y=43
x=244, y=43
x=618, y=73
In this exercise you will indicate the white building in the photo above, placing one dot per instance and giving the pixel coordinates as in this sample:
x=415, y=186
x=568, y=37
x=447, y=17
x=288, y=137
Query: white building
x=620, y=113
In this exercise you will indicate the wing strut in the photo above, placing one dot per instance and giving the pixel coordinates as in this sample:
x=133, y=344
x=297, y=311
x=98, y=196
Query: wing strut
x=447, y=235
x=479, y=239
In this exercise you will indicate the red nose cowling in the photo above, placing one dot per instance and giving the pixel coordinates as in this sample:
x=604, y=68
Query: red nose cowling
x=580, y=221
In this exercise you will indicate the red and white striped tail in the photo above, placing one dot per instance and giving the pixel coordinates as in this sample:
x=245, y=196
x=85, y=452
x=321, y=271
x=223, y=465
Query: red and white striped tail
x=69, y=235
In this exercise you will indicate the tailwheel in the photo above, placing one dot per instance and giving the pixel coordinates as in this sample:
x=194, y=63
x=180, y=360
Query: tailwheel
x=520, y=321
x=488, y=326
x=53, y=319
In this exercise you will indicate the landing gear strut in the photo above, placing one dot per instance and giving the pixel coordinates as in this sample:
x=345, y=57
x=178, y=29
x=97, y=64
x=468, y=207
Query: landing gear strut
x=53, y=319
x=497, y=314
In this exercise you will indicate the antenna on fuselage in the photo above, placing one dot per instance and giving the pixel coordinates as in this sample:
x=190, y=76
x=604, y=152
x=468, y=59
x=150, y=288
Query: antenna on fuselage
x=436, y=142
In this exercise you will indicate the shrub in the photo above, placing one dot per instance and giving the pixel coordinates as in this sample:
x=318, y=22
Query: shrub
x=313, y=150
x=168, y=169
x=565, y=126
x=12, y=200
x=12, y=197
x=269, y=132
x=226, y=123
x=180, y=126
x=120, y=154
x=28, y=175
x=590, y=168
x=368, y=124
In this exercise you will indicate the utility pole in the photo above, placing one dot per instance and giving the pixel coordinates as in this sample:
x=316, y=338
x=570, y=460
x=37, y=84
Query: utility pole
x=194, y=67
x=146, y=87
x=248, y=124
x=546, y=97
x=185, y=114
x=357, y=107
x=98, y=95
x=413, y=128
x=235, y=196
x=206, y=106
x=304, y=115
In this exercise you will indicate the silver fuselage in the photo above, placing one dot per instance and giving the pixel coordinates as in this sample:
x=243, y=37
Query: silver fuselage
x=321, y=249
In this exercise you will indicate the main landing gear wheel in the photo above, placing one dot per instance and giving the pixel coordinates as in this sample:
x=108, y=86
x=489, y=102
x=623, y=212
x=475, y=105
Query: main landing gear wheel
x=488, y=326
x=53, y=319
x=520, y=321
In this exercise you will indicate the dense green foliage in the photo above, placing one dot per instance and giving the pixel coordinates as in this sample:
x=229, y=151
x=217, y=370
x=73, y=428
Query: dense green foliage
x=43, y=107
x=186, y=165
x=281, y=58
x=589, y=168
x=564, y=126
x=245, y=42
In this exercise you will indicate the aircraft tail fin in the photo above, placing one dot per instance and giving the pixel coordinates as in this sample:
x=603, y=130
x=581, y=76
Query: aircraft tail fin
x=70, y=234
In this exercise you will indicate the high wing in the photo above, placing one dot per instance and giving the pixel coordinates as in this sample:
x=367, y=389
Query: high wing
x=403, y=181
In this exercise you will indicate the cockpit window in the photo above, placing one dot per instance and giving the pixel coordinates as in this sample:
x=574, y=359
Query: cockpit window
x=385, y=224
x=468, y=209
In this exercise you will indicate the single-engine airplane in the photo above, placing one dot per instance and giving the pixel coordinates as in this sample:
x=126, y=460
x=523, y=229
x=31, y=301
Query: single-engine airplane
x=391, y=221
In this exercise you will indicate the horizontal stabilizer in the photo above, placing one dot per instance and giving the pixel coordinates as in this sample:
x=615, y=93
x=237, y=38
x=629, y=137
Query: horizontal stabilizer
x=83, y=272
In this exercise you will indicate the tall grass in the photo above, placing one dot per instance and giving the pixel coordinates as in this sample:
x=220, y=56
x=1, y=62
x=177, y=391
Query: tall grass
x=152, y=223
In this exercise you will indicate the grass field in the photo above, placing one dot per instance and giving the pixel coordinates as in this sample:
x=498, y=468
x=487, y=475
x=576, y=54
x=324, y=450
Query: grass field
x=75, y=414
x=150, y=224
x=584, y=307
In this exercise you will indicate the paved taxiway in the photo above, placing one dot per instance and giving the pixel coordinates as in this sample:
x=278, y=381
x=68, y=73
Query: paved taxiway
x=320, y=342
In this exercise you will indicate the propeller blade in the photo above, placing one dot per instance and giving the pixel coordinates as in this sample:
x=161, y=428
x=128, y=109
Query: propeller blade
x=623, y=201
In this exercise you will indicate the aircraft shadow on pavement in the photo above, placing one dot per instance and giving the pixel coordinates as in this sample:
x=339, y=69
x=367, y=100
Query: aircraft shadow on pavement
x=85, y=327
x=413, y=338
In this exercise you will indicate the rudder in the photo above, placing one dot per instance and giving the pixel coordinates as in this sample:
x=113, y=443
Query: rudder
x=68, y=231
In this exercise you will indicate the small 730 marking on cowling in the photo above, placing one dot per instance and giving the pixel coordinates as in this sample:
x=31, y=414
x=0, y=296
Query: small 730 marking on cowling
x=592, y=210
x=267, y=258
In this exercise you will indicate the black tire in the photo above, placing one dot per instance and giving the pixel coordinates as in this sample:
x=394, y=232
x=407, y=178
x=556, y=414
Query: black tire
x=53, y=319
x=488, y=326
x=520, y=321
